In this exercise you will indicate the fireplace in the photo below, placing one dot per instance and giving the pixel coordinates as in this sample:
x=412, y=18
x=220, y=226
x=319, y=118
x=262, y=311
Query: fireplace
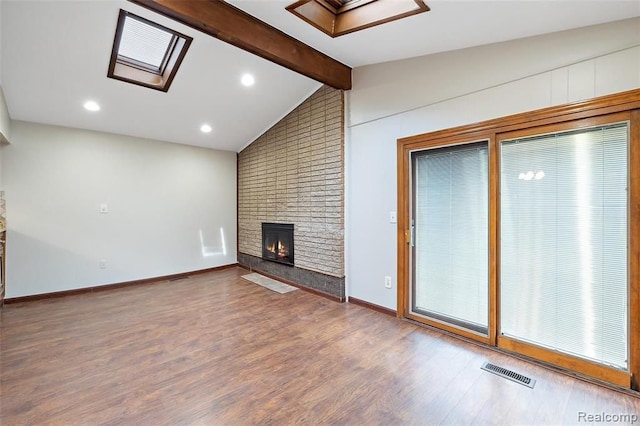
x=277, y=242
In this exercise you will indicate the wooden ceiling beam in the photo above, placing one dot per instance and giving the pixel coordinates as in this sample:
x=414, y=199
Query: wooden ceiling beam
x=234, y=26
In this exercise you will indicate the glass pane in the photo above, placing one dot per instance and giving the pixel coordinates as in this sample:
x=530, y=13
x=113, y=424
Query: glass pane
x=451, y=234
x=563, y=242
x=144, y=43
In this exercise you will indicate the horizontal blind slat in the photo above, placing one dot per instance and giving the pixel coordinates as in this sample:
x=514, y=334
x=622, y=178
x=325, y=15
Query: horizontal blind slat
x=563, y=242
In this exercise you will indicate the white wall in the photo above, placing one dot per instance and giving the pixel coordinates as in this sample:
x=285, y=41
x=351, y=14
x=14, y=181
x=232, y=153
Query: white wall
x=414, y=96
x=4, y=112
x=172, y=208
x=1, y=6
x=5, y=129
x=1, y=166
x=5, y=120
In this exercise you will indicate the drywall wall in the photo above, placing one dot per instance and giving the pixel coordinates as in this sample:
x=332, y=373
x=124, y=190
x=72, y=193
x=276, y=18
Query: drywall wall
x=1, y=166
x=171, y=208
x=5, y=120
x=414, y=96
x=5, y=129
x=400, y=86
x=1, y=7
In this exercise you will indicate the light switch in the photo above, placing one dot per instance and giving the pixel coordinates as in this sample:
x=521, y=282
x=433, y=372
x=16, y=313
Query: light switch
x=104, y=208
x=393, y=218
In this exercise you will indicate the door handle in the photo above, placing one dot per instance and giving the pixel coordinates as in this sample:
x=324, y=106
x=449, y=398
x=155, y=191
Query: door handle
x=410, y=236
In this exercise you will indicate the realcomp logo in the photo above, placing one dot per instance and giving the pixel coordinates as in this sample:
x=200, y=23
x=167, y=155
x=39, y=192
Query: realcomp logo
x=606, y=417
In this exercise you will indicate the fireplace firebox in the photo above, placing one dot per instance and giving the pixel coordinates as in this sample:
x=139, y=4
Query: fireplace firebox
x=277, y=242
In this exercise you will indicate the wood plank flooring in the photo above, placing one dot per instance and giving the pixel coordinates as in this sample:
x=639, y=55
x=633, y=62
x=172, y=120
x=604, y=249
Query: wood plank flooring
x=219, y=350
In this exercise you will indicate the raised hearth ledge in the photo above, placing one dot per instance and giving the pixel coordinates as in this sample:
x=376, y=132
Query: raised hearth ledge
x=304, y=278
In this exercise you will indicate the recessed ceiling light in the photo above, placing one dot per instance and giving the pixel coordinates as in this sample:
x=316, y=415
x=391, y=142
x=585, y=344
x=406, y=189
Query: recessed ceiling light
x=248, y=80
x=205, y=128
x=91, y=106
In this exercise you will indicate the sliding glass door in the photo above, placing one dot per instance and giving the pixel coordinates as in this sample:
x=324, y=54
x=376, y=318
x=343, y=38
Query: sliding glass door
x=450, y=253
x=563, y=242
x=524, y=233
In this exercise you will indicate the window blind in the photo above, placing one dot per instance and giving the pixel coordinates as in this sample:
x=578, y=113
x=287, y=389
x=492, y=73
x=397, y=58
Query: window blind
x=563, y=242
x=144, y=43
x=451, y=231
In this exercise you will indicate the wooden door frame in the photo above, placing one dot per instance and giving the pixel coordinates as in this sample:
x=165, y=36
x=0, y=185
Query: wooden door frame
x=606, y=105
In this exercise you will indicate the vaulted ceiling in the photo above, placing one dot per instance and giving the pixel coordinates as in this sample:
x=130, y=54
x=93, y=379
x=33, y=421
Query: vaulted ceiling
x=55, y=54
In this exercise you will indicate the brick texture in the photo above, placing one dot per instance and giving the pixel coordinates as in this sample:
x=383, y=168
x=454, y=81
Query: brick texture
x=294, y=173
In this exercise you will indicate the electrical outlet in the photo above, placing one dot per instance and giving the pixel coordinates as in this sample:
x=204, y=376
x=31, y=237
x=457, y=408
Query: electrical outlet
x=387, y=282
x=104, y=208
x=103, y=264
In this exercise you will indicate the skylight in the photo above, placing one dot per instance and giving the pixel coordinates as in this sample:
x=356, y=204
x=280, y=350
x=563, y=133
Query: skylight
x=339, y=17
x=338, y=3
x=146, y=53
x=145, y=44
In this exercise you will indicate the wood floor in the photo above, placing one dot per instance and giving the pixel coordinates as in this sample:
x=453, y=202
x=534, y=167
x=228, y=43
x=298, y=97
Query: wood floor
x=219, y=350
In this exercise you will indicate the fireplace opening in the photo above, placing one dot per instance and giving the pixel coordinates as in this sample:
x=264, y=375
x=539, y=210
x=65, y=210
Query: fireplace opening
x=277, y=242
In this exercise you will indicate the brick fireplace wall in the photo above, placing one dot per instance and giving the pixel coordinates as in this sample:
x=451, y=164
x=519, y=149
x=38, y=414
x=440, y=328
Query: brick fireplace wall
x=294, y=173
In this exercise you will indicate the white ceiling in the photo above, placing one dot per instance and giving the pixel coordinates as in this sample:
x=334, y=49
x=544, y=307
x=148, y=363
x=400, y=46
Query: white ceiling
x=55, y=54
x=449, y=25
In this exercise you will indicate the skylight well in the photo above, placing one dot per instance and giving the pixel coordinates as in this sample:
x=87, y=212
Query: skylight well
x=146, y=53
x=339, y=17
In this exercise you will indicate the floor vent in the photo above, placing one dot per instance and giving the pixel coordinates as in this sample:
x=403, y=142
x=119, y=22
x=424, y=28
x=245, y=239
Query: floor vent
x=185, y=277
x=508, y=374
